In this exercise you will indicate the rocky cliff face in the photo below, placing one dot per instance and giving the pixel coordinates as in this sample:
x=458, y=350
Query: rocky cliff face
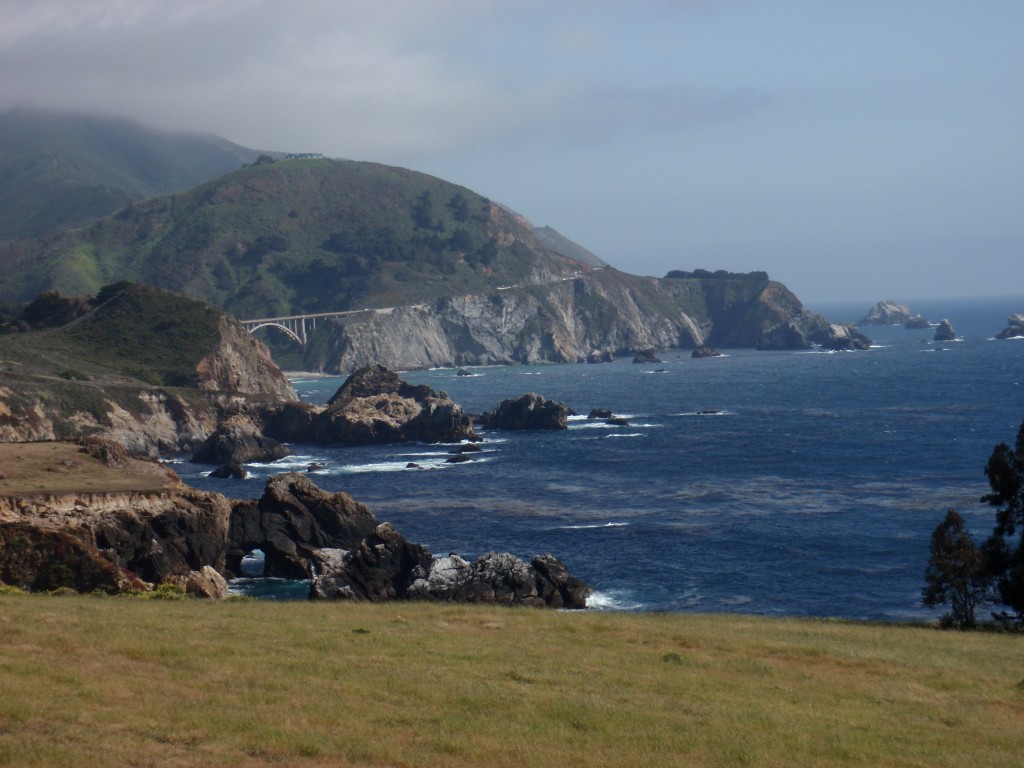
x=566, y=321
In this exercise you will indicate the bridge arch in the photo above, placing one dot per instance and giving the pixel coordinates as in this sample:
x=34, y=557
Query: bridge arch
x=281, y=327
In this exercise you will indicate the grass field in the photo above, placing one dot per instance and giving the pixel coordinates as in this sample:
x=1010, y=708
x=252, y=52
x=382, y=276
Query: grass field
x=90, y=681
x=60, y=467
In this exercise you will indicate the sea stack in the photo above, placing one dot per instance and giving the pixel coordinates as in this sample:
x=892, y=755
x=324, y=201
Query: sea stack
x=945, y=332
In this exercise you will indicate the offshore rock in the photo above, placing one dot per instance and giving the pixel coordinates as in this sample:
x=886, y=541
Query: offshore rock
x=646, y=356
x=1014, y=327
x=945, y=332
x=230, y=472
x=886, y=313
x=841, y=337
x=531, y=411
x=601, y=356
x=703, y=352
x=373, y=406
x=237, y=441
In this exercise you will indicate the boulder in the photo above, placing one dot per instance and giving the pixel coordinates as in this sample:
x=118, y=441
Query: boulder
x=467, y=448
x=945, y=332
x=646, y=356
x=531, y=411
x=600, y=413
x=886, y=313
x=617, y=421
x=459, y=458
x=230, y=471
x=840, y=337
x=204, y=583
x=1014, y=327
x=236, y=441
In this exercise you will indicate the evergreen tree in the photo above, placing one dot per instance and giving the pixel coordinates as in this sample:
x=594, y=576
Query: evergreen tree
x=956, y=572
x=1004, y=549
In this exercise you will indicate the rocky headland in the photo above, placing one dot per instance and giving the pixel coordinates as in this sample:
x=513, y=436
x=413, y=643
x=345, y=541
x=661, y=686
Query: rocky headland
x=166, y=533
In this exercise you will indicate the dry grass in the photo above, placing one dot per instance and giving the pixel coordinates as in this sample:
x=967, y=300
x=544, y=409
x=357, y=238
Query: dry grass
x=90, y=681
x=60, y=467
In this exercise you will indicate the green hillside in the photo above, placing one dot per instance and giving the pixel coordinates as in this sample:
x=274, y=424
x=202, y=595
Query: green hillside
x=294, y=236
x=125, y=338
x=60, y=170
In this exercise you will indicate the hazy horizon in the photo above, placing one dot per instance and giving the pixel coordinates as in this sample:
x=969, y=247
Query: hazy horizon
x=855, y=152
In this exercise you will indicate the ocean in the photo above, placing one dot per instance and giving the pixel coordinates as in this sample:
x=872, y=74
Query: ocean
x=772, y=483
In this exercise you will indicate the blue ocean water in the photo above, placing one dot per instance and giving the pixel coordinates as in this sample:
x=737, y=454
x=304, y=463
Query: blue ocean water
x=812, y=490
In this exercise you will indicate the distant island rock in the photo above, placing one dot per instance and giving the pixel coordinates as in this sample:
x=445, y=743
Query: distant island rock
x=1014, y=327
x=945, y=332
x=886, y=312
x=916, y=323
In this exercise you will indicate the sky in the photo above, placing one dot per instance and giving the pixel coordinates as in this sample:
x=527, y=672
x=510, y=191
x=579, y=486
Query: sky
x=853, y=150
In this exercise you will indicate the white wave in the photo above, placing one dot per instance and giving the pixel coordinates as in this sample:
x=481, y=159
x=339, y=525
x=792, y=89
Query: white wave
x=612, y=601
x=707, y=412
x=589, y=526
x=287, y=464
x=737, y=600
x=401, y=466
x=630, y=434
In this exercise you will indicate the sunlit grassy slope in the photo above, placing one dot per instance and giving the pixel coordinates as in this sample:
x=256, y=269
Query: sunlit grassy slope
x=88, y=681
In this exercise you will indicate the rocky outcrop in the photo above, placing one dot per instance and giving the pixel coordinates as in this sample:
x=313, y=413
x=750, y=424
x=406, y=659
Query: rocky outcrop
x=111, y=541
x=840, y=337
x=387, y=567
x=242, y=364
x=122, y=542
x=237, y=441
x=531, y=411
x=1014, y=327
x=291, y=521
x=886, y=313
x=945, y=332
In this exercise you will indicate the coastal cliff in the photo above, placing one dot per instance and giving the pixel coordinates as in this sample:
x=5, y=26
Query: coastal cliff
x=602, y=311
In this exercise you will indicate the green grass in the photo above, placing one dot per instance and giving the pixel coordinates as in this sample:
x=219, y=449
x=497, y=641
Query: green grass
x=112, y=681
